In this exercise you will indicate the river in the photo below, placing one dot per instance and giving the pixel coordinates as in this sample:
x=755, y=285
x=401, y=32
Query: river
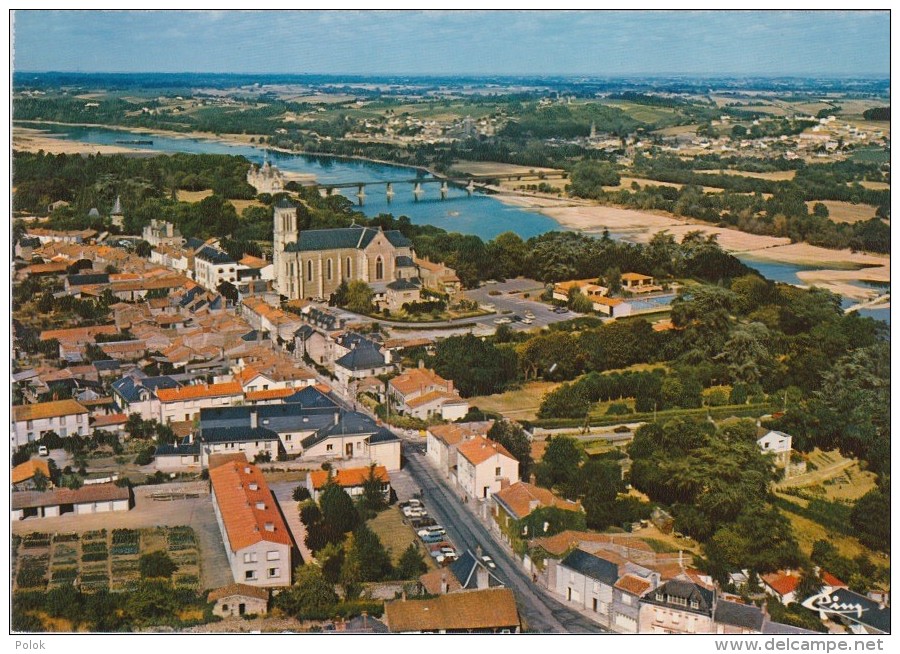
x=477, y=214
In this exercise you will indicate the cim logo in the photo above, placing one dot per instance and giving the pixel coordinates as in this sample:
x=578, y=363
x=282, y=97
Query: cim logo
x=825, y=604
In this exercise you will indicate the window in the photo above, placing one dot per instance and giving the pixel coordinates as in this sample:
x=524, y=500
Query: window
x=328, y=269
x=680, y=601
x=497, y=471
x=250, y=574
x=250, y=557
x=347, y=271
x=29, y=424
x=659, y=597
x=379, y=268
x=287, y=438
x=273, y=572
x=695, y=604
x=273, y=555
x=329, y=447
x=309, y=270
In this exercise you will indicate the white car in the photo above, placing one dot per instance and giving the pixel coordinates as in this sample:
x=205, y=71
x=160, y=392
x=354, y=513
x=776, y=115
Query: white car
x=527, y=321
x=414, y=512
x=528, y=314
x=489, y=562
x=502, y=321
x=43, y=451
x=436, y=529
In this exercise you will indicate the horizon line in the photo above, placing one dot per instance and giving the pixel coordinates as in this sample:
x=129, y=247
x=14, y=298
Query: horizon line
x=885, y=75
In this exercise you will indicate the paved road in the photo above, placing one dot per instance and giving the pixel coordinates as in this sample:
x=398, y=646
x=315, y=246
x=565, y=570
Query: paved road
x=541, y=612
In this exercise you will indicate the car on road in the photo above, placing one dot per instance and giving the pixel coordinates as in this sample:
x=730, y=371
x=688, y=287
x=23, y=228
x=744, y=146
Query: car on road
x=502, y=321
x=489, y=562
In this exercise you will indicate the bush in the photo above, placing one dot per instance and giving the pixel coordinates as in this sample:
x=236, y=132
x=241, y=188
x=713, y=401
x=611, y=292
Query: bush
x=145, y=456
x=157, y=564
x=301, y=494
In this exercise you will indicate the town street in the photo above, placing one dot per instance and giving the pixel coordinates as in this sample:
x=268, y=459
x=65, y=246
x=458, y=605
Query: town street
x=541, y=612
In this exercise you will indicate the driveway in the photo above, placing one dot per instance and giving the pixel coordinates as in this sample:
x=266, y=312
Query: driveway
x=283, y=492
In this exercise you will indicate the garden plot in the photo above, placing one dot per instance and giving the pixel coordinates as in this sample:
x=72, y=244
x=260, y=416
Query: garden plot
x=100, y=560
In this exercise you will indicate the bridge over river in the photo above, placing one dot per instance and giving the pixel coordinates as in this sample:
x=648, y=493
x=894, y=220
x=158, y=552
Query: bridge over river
x=471, y=183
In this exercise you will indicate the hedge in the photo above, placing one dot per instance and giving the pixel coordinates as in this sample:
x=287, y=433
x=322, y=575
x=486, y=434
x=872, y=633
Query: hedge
x=736, y=410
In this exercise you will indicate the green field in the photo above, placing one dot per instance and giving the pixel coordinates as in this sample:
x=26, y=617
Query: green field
x=395, y=535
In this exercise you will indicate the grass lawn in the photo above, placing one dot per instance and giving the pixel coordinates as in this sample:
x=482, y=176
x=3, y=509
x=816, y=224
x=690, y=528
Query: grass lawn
x=396, y=536
x=519, y=404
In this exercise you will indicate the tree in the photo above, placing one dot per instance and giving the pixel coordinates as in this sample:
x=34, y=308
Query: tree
x=369, y=554
x=338, y=512
x=589, y=178
x=549, y=521
x=157, y=565
x=151, y=600
x=560, y=464
x=512, y=436
x=142, y=249
x=509, y=253
x=311, y=597
x=579, y=302
x=228, y=291
x=359, y=297
x=373, y=499
x=760, y=539
x=411, y=563
x=868, y=518
x=300, y=493
x=145, y=456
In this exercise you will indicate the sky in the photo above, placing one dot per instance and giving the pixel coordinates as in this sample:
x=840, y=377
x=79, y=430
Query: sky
x=600, y=43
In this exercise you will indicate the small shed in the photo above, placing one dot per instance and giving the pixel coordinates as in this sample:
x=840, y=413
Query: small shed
x=239, y=599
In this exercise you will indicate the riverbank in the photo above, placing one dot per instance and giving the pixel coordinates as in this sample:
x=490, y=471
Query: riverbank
x=840, y=271
x=26, y=139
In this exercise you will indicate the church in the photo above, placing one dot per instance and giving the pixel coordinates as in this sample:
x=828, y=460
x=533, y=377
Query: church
x=312, y=263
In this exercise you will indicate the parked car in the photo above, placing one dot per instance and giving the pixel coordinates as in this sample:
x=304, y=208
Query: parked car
x=527, y=321
x=516, y=317
x=424, y=521
x=529, y=314
x=43, y=451
x=414, y=512
x=502, y=321
x=434, y=529
x=432, y=538
x=489, y=562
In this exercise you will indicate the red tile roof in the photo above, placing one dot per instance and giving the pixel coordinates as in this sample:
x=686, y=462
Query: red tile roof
x=348, y=477
x=782, y=582
x=270, y=394
x=521, y=496
x=232, y=590
x=492, y=608
x=198, y=391
x=455, y=433
x=247, y=506
x=27, y=470
x=479, y=450
x=47, y=410
x=633, y=584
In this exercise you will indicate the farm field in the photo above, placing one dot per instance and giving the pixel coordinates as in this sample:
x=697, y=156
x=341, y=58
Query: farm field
x=847, y=212
x=520, y=404
x=101, y=559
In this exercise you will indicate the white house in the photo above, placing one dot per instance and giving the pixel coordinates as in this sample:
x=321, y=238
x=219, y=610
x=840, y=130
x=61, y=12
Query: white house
x=422, y=393
x=213, y=266
x=441, y=441
x=185, y=402
x=65, y=417
x=257, y=541
x=484, y=467
x=779, y=444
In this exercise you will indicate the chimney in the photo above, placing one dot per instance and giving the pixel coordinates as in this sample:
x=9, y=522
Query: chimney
x=532, y=479
x=421, y=364
x=445, y=587
x=253, y=420
x=482, y=576
x=337, y=417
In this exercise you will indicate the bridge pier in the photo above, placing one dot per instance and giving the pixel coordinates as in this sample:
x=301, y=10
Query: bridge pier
x=470, y=187
x=361, y=194
x=417, y=190
x=444, y=190
x=390, y=191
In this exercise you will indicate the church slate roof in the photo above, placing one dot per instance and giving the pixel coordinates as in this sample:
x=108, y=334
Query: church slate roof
x=340, y=239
